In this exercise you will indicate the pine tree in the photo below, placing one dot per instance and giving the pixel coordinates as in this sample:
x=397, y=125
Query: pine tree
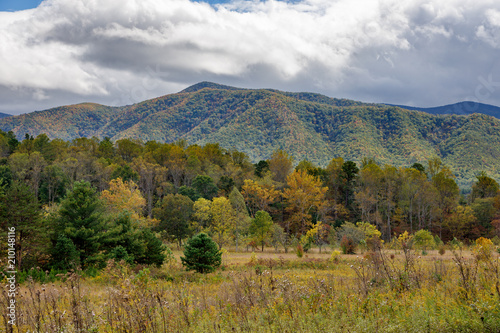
x=19, y=209
x=154, y=251
x=81, y=220
x=65, y=254
x=201, y=254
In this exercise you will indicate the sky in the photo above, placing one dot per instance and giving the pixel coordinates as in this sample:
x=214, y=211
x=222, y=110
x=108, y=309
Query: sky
x=119, y=52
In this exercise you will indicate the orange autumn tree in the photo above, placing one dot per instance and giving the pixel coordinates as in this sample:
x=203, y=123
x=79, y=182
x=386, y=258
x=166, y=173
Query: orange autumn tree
x=304, y=197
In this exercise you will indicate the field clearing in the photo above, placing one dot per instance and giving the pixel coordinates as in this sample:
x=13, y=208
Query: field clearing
x=386, y=291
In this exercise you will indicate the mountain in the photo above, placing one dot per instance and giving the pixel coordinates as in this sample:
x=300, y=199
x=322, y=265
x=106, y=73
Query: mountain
x=64, y=122
x=4, y=115
x=462, y=108
x=307, y=125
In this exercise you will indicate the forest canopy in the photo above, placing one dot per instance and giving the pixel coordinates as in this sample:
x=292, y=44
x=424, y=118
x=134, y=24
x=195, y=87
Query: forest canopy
x=86, y=201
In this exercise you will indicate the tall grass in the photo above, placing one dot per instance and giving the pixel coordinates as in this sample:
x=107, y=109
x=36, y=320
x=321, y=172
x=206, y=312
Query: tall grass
x=381, y=291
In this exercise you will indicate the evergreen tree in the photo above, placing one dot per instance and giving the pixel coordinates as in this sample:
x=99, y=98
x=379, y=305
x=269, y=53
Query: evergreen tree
x=81, y=220
x=65, y=255
x=201, y=254
x=154, y=253
x=19, y=209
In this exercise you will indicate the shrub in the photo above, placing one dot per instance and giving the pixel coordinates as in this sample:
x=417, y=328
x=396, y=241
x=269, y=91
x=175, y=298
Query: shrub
x=300, y=251
x=334, y=257
x=201, y=254
x=347, y=245
x=424, y=240
x=483, y=249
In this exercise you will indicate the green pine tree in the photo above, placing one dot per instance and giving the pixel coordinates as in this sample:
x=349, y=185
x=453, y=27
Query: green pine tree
x=65, y=254
x=19, y=209
x=155, y=250
x=81, y=220
x=201, y=254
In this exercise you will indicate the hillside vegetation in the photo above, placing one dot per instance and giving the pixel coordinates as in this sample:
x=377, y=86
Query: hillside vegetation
x=308, y=126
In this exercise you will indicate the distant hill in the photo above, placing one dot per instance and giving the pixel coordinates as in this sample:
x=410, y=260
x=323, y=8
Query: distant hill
x=462, y=108
x=64, y=122
x=4, y=115
x=307, y=125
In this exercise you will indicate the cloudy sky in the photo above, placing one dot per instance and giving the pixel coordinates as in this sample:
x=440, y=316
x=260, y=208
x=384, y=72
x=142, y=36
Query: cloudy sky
x=118, y=52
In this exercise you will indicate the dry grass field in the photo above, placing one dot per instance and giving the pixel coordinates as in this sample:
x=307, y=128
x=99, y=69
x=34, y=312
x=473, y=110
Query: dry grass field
x=381, y=291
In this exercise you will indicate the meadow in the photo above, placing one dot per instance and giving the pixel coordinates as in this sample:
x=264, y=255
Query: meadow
x=384, y=290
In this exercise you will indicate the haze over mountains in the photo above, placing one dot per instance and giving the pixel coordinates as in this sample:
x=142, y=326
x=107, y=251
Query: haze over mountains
x=307, y=125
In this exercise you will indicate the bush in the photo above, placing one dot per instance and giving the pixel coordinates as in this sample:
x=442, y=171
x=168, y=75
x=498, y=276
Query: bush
x=347, y=245
x=424, y=240
x=300, y=251
x=201, y=254
x=334, y=257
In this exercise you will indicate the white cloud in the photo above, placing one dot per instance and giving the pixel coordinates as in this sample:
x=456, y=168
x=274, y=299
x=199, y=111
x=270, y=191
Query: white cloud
x=424, y=52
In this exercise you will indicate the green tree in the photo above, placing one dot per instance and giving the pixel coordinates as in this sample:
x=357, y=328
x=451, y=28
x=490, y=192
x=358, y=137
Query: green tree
x=484, y=187
x=65, y=255
x=154, y=252
x=448, y=193
x=260, y=227
x=423, y=239
x=106, y=148
x=174, y=213
x=261, y=168
x=128, y=149
x=201, y=254
x=19, y=209
x=125, y=172
x=5, y=176
x=484, y=211
x=189, y=192
x=121, y=232
x=242, y=218
x=205, y=186
x=349, y=174
x=81, y=220
x=53, y=185
x=226, y=184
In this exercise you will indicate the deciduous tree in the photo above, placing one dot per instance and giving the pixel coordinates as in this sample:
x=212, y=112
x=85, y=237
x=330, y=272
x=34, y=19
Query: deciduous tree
x=174, y=213
x=304, y=196
x=260, y=228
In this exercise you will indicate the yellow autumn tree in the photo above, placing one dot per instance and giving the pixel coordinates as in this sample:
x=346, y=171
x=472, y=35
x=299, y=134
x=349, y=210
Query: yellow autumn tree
x=125, y=196
x=258, y=196
x=223, y=220
x=202, y=215
x=304, y=197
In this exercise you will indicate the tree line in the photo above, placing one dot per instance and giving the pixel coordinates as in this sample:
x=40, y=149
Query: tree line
x=85, y=201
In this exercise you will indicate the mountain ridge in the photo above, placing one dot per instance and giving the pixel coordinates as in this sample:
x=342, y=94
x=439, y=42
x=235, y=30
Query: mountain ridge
x=459, y=108
x=307, y=125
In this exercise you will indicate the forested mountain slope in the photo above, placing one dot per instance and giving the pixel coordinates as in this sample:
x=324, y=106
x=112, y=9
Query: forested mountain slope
x=308, y=126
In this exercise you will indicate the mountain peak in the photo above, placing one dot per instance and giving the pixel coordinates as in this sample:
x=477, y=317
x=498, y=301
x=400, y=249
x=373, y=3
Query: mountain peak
x=207, y=84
